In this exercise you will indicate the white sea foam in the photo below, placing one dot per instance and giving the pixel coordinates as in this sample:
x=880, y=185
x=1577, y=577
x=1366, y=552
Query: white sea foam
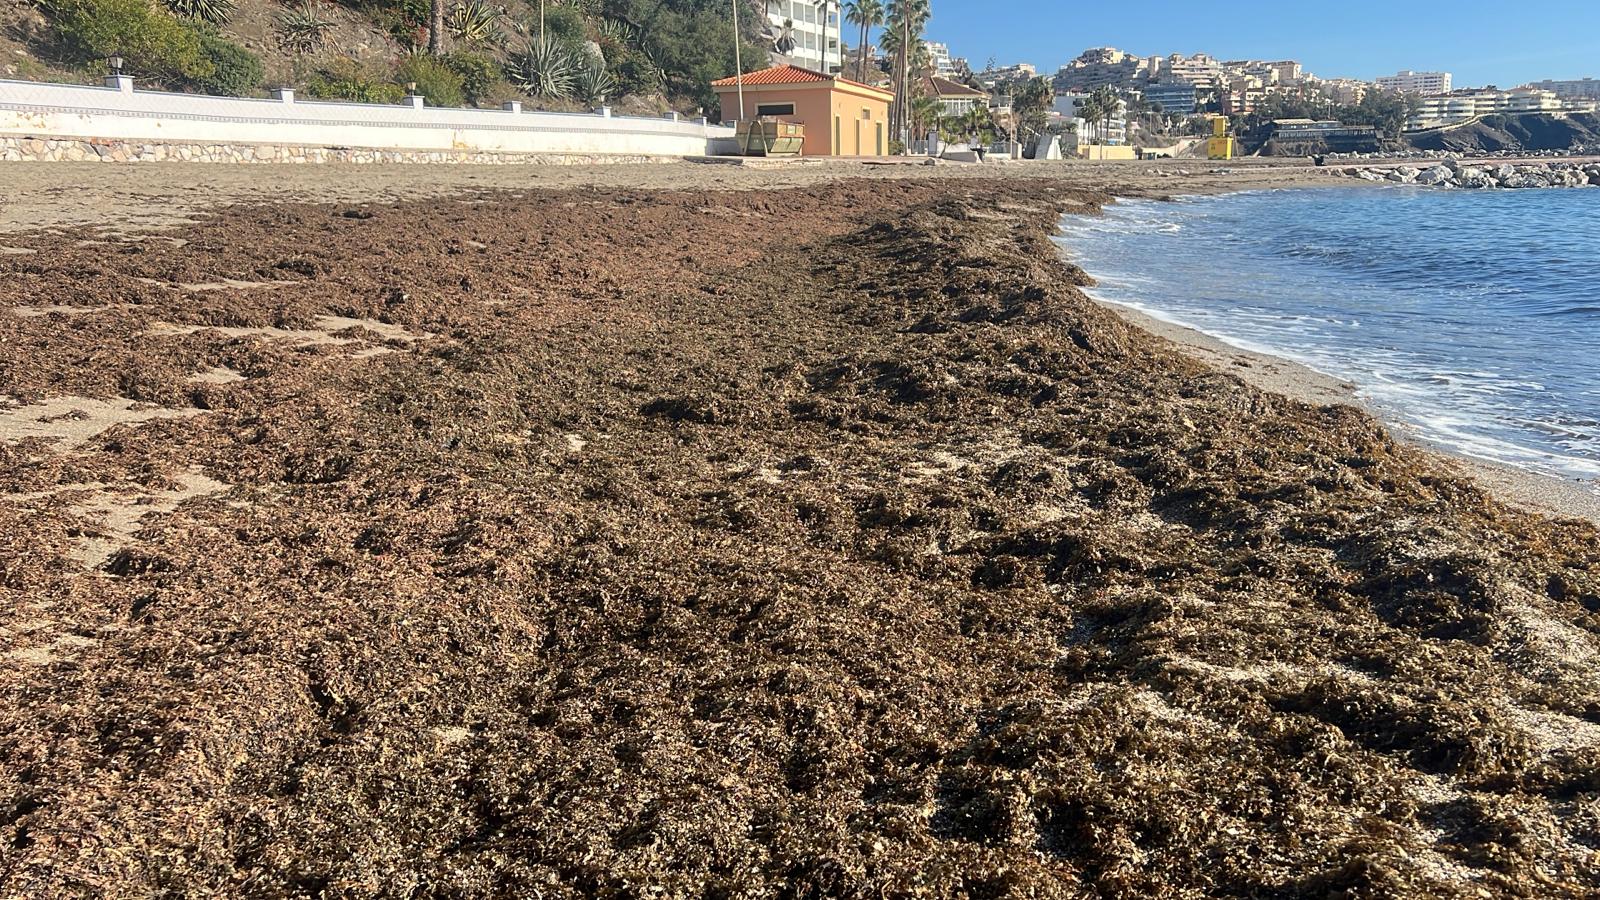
x=1411, y=296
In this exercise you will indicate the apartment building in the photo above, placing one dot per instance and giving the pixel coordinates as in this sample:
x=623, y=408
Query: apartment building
x=1100, y=67
x=1409, y=82
x=1068, y=106
x=1344, y=91
x=991, y=78
x=1201, y=70
x=1175, y=99
x=803, y=23
x=1580, y=88
x=944, y=65
x=1460, y=106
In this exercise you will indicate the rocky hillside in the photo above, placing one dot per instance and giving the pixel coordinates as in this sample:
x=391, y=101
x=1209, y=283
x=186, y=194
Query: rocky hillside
x=637, y=55
x=1516, y=133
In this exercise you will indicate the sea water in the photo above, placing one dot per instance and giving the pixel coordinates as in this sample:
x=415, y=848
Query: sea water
x=1470, y=318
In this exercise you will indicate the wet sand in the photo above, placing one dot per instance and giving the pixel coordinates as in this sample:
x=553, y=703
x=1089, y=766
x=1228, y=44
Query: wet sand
x=1529, y=490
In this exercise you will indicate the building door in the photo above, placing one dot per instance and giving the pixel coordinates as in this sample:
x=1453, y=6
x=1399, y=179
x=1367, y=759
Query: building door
x=881, y=151
x=838, y=135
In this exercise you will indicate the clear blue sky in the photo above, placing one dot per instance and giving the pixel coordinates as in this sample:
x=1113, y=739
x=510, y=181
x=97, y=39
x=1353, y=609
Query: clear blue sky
x=1504, y=43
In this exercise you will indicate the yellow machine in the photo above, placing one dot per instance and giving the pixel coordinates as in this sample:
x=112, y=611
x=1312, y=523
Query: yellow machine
x=1220, y=144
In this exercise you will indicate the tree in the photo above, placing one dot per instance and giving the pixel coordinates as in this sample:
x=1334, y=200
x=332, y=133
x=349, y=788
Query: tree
x=864, y=14
x=925, y=115
x=905, y=22
x=687, y=44
x=823, y=7
x=1031, y=102
x=1105, y=104
x=436, y=27
x=1088, y=109
x=1385, y=110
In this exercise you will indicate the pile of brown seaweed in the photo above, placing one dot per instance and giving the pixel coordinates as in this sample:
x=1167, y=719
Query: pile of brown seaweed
x=794, y=543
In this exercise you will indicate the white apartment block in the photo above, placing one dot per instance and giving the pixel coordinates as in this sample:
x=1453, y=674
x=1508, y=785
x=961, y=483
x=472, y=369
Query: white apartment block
x=1201, y=70
x=944, y=65
x=1409, y=82
x=992, y=78
x=1345, y=91
x=1113, y=133
x=1459, y=107
x=805, y=17
x=1581, y=88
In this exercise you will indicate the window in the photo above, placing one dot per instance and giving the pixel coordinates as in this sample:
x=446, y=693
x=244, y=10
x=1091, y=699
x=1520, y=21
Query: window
x=866, y=114
x=775, y=109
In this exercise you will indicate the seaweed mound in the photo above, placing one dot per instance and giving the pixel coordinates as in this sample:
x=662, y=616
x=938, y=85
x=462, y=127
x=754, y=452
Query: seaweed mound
x=796, y=543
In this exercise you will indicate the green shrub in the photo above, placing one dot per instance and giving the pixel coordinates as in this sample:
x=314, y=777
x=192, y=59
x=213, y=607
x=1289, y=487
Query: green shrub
x=636, y=74
x=435, y=80
x=347, y=80
x=150, y=42
x=563, y=23
x=236, y=71
x=479, y=74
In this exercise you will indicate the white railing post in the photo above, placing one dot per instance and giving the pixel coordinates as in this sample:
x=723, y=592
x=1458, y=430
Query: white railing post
x=123, y=83
x=512, y=106
x=415, y=101
x=283, y=94
x=603, y=112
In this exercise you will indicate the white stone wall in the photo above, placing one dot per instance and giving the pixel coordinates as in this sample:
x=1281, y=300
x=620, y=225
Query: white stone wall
x=109, y=115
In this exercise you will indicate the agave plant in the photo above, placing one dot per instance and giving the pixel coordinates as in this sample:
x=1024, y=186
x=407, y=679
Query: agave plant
x=615, y=36
x=593, y=83
x=474, y=22
x=215, y=12
x=302, y=29
x=546, y=68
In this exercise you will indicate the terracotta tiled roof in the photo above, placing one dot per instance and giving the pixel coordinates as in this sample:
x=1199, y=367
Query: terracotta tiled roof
x=790, y=75
x=776, y=75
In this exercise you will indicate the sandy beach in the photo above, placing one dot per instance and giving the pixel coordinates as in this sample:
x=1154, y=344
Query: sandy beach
x=1532, y=491
x=688, y=531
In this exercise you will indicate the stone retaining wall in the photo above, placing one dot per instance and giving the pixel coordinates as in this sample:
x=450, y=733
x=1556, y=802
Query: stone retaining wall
x=32, y=149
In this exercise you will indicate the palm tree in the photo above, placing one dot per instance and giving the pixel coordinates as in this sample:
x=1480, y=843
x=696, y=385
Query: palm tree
x=1089, y=111
x=436, y=27
x=864, y=14
x=784, y=43
x=823, y=6
x=906, y=19
x=1106, y=103
x=925, y=115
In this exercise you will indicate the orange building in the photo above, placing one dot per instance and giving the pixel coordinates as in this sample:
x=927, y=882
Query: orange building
x=842, y=117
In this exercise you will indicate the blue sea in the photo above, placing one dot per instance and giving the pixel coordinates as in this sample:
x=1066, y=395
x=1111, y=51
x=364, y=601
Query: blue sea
x=1470, y=319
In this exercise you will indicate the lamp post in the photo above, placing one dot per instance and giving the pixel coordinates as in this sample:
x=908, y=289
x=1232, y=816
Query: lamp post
x=738, y=65
x=115, y=62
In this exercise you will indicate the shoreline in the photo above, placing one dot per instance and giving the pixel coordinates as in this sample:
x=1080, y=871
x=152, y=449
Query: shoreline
x=1515, y=487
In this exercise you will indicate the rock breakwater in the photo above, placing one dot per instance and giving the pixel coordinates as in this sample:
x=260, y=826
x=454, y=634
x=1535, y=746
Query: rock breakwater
x=1455, y=173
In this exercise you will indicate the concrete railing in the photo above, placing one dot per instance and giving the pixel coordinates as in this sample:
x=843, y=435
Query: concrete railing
x=118, y=112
